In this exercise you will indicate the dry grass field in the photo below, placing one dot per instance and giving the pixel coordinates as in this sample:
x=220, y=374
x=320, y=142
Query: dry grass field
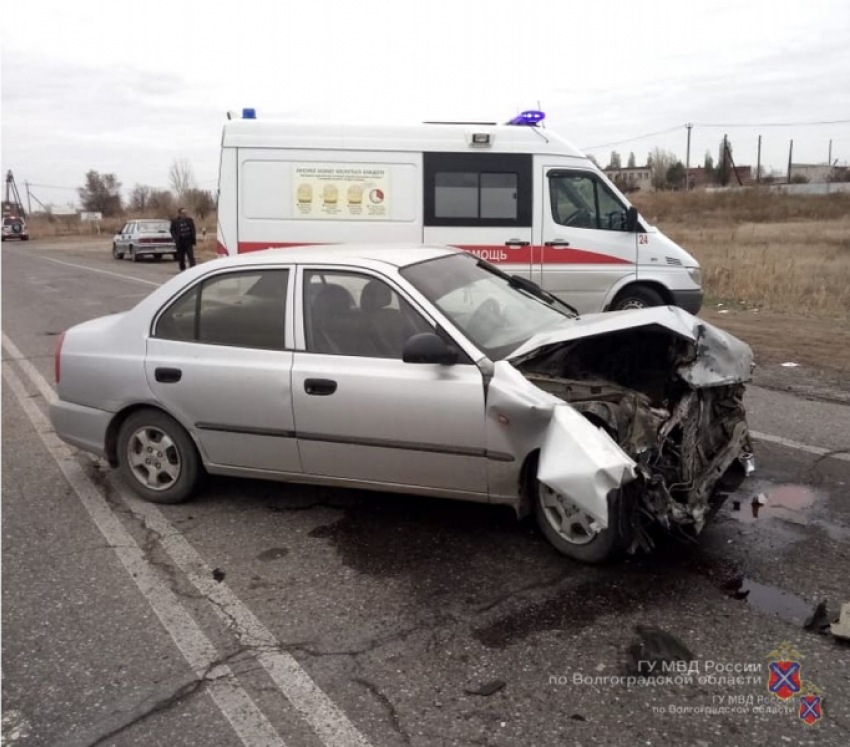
x=783, y=253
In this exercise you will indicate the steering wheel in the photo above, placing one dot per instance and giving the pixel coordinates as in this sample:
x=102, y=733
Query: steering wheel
x=580, y=217
x=485, y=318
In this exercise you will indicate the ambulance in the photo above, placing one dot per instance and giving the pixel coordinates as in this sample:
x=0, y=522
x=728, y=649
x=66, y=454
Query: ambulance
x=514, y=194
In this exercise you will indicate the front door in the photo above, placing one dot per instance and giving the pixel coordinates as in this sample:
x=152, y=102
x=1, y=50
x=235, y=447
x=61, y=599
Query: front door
x=481, y=202
x=586, y=248
x=220, y=361
x=361, y=412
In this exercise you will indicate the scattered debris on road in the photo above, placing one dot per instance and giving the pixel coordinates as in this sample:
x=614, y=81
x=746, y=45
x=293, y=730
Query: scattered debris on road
x=487, y=689
x=218, y=575
x=653, y=646
x=841, y=629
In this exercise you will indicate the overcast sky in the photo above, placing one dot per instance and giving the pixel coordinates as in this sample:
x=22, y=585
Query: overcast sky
x=128, y=87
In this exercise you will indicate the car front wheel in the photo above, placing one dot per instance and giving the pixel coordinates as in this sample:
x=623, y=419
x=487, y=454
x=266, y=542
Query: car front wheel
x=573, y=532
x=157, y=458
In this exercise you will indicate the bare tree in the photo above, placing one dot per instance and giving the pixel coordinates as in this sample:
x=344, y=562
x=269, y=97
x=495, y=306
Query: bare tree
x=615, y=162
x=101, y=194
x=182, y=177
x=140, y=198
x=161, y=202
x=200, y=202
x=661, y=162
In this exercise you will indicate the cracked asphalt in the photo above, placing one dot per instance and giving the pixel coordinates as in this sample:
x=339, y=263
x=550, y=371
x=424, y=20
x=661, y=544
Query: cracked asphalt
x=398, y=610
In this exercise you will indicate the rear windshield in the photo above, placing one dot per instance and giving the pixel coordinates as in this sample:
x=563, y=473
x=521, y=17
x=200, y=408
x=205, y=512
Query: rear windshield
x=11, y=221
x=154, y=226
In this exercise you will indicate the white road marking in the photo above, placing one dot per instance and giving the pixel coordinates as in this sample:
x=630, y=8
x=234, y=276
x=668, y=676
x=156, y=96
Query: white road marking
x=843, y=455
x=316, y=708
x=248, y=721
x=33, y=374
x=130, y=278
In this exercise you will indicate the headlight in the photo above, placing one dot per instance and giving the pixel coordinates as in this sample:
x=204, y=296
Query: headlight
x=696, y=275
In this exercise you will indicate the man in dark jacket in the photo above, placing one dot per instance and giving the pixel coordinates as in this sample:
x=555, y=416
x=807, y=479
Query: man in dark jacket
x=183, y=233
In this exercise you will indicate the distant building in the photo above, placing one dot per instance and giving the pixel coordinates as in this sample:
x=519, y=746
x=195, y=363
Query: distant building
x=815, y=173
x=699, y=178
x=631, y=179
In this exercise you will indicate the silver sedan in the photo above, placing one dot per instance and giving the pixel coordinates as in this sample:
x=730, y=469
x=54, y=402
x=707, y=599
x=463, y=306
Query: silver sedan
x=418, y=370
x=144, y=238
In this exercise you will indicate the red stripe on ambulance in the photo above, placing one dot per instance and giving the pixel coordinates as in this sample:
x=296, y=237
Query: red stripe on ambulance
x=501, y=254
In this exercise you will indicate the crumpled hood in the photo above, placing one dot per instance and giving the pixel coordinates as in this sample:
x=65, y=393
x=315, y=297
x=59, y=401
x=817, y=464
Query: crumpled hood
x=720, y=358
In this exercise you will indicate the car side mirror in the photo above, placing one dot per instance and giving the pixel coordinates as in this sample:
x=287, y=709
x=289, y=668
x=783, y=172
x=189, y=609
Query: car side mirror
x=632, y=219
x=427, y=347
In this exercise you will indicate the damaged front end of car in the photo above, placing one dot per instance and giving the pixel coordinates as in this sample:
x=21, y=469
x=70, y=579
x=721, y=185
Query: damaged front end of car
x=667, y=388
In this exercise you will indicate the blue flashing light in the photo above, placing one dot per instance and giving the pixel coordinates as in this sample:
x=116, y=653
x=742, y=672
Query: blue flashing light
x=249, y=114
x=530, y=117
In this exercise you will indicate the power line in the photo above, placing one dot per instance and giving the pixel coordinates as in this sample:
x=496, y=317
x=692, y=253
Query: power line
x=632, y=139
x=53, y=186
x=774, y=124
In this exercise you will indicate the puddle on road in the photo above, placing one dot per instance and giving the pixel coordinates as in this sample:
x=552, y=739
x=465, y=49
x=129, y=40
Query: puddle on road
x=770, y=599
x=790, y=503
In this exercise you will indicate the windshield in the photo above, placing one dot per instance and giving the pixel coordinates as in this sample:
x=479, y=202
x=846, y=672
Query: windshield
x=483, y=302
x=154, y=226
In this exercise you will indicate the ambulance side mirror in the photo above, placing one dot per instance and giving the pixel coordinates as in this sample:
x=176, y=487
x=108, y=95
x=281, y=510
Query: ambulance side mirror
x=632, y=219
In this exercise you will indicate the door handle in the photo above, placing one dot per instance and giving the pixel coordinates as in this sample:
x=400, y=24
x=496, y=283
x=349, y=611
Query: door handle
x=516, y=242
x=557, y=243
x=319, y=387
x=168, y=375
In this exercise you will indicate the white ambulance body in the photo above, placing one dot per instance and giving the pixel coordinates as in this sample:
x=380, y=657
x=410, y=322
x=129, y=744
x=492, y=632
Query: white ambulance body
x=518, y=196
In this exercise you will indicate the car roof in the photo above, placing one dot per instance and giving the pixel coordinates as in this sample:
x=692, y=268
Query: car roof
x=397, y=255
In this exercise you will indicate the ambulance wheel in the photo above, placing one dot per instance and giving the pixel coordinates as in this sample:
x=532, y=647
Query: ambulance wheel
x=637, y=297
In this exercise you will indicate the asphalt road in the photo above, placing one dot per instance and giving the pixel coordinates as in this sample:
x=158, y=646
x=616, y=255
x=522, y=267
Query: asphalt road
x=268, y=614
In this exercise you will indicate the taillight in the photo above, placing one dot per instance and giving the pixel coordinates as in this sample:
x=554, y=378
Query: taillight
x=57, y=357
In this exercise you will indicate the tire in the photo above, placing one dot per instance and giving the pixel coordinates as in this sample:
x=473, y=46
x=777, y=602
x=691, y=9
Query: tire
x=115, y=253
x=25, y=238
x=637, y=297
x=603, y=546
x=176, y=476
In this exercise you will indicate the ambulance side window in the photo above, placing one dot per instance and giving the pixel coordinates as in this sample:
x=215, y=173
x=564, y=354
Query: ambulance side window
x=477, y=189
x=580, y=200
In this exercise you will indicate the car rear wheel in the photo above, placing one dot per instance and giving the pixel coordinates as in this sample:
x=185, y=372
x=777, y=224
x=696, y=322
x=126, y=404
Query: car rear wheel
x=573, y=532
x=157, y=458
x=637, y=297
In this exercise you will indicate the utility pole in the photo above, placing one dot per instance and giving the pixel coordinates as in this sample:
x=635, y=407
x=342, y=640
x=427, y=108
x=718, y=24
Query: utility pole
x=790, y=157
x=758, y=164
x=29, y=204
x=688, y=158
x=829, y=158
x=724, y=177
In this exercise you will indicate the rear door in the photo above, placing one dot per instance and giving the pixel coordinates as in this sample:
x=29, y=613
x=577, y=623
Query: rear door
x=586, y=248
x=482, y=203
x=220, y=359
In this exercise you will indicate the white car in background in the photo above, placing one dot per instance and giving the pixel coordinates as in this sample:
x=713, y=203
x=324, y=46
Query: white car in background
x=144, y=238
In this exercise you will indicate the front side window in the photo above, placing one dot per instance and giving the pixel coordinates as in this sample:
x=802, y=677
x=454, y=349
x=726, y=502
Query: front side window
x=240, y=309
x=486, y=305
x=581, y=200
x=346, y=313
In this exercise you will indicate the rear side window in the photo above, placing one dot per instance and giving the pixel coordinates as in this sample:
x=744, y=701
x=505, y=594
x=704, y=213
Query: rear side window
x=477, y=189
x=239, y=309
